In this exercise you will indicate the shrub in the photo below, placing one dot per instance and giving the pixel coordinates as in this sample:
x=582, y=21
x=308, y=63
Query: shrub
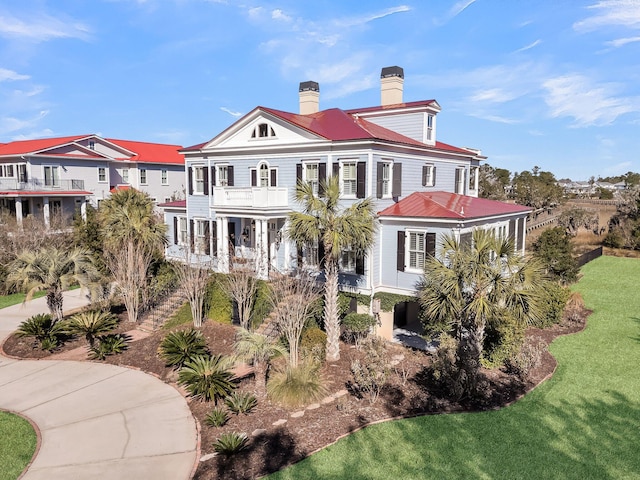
x=231, y=443
x=207, y=378
x=573, y=311
x=217, y=417
x=371, y=375
x=445, y=368
x=313, y=344
x=181, y=346
x=262, y=303
x=503, y=338
x=293, y=387
x=219, y=306
x=554, y=300
x=91, y=324
x=527, y=358
x=182, y=316
x=357, y=326
x=45, y=331
x=112, y=344
x=239, y=402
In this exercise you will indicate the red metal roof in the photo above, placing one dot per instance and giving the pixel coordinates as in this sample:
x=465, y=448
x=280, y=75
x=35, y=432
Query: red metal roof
x=119, y=187
x=449, y=205
x=22, y=147
x=174, y=204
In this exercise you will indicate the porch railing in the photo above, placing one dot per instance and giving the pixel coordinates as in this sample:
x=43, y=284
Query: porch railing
x=257, y=197
x=36, y=184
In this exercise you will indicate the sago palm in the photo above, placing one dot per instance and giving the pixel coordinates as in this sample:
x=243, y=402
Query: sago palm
x=92, y=324
x=259, y=349
x=466, y=285
x=52, y=270
x=207, y=378
x=324, y=221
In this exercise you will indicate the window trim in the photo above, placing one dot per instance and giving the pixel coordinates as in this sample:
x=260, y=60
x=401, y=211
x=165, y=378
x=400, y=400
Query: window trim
x=315, y=183
x=343, y=165
x=200, y=240
x=183, y=241
x=164, y=176
x=104, y=171
x=460, y=180
x=272, y=174
x=142, y=176
x=125, y=176
x=196, y=181
x=55, y=179
x=263, y=131
x=430, y=179
x=407, y=247
x=219, y=167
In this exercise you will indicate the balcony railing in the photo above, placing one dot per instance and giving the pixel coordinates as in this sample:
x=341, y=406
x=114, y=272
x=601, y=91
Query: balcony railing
x=35, y=184
x=253, y=197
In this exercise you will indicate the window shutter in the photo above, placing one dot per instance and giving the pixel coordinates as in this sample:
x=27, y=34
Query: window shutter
x=361, y=179
x=205, y=176
x=214, y=227
x=213, y=178
x=360, y=265
x=298, y=173
x=190, y=180
x=321, y=254
x=396, y=191
x=335, y=169
x=254, y=177
x=425, y=170
x=400, y=253
x=274, y=179
x=322, y=178
x=379, y=167
x=457, y=181
x=433, y=173
x=431, y=244
x=191, y=235
x=207, y=238
x=230, y=175
x=175, y=230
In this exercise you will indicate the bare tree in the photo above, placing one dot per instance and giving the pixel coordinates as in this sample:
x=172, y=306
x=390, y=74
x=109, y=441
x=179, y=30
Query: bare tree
x=193, y=279
x=241, y=285
x=292, y=299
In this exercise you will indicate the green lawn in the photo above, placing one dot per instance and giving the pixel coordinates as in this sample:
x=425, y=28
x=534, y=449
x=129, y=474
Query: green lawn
x=15, y=298
x=583, y=424
x=17, y=444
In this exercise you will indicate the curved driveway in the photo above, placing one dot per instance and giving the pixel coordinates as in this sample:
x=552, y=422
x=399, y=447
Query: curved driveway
x=96, y=420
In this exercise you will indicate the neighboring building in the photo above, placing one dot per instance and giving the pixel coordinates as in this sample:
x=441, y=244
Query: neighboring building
x=54, y=177
x=241, y=185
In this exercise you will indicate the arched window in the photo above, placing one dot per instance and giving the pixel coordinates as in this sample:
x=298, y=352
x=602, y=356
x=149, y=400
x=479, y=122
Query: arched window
x=264, y=175
x=263, y=130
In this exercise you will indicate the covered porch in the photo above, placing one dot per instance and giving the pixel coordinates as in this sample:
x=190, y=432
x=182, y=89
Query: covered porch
x=54, y=209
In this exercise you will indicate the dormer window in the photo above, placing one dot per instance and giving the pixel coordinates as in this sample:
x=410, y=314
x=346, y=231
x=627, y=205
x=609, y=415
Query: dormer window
x=263, y=130
x=430, y=127
x=92, y=144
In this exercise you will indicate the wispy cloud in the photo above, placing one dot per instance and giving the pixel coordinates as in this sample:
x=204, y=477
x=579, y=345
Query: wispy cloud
x=454, y=11
x=588, y=103
x=45, y=132
x=611, y=13
x=41, y=27
x=13, y=124
x=231, y=112
x=495, y=118
x=369, y=17
x=6, y=75
x=530, y=46
x=620, y=42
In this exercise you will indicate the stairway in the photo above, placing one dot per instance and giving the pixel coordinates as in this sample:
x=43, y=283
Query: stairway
x=155, y=317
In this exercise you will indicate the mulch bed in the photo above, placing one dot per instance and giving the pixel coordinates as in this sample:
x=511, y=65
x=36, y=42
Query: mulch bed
x=409, y=392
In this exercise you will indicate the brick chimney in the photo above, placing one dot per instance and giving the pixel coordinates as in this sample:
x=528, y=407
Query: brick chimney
x=309, y=97
x=391, y=83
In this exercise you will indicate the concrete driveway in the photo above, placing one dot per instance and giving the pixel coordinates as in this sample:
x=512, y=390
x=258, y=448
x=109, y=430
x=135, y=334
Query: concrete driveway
x=96, y=420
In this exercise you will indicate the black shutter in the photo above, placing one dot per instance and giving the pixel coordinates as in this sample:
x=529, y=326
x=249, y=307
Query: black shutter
x=230, y=175
x=214, y=226
x=335, y=169
x=321, y=254
x=190, y=180
x=191, y=235
x=207, y=238
x=361, y=179
x=360, y=264
x=456, y=181
x=175, y=230
x=431, y=244
x=298, y=173
x=400, y=253
x=205, y=175
x=396, y=190
x=425, y=171
x=274, y=179
x=322, y=178
x=433, y=173
x=213, y=178
x=254, y=177
x=379, y=168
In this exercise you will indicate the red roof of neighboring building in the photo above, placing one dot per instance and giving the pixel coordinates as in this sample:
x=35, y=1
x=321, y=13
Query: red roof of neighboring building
x=174, y=204
x=21, y=147
x=449, y=205
x=119, y=187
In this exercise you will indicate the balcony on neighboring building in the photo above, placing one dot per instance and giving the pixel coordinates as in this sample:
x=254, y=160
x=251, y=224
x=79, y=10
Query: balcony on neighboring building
x=246, y=199
x=40, y=185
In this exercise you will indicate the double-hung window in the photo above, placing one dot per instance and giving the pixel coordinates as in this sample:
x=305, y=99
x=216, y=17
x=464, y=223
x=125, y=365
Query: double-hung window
x=125, y=175
x=165, y=176
x=459, y=180
x=428, y=175
x=183, y=231
x=385, y=180
x=349, y=179
x=416, y=250
x=348, y=261
x=198, y=180
x=311, y=176
x=264, y=175
x=51, y=176
x=102, y=174
x=223, y=176
x=202, y=236
x=143, y=176
x=430, y=119
x=22, y=173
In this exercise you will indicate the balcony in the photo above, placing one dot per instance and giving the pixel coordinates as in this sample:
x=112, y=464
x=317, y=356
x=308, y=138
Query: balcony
x=38, y=185
x=236, y=199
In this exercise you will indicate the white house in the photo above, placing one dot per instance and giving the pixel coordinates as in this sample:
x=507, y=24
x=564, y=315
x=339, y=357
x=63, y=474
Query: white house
x=54, y=177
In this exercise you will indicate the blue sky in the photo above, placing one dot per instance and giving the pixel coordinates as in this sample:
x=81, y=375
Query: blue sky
x=549, y=83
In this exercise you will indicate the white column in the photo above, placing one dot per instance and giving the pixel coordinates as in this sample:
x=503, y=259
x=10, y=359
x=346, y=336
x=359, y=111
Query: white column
x=19, y=211
x=83, y=210
x=286, y=244
x=222, y=227
x=45, y=211
x=477, y=177
x=264, y=248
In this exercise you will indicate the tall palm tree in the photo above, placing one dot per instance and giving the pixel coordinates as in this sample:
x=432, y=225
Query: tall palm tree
x=259, y=349
x=466, y=285
x=52, y=270
x=323, y=221
x=133, y=235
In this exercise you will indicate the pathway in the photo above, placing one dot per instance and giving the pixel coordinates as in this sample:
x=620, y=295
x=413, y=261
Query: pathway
x=96, y=420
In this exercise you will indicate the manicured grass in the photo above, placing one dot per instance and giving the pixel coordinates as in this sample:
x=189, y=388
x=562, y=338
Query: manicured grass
x=16, y=298
x=584, y=423
x=17, y=444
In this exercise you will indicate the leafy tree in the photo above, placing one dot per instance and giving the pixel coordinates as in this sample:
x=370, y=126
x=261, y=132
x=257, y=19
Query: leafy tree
x=324, y=222
x=193, y=281
x=466, y=285
x=493, y=182
x=87, y=234
x=574, y=218
x=259, y=349
x=624, y=226
x=538, y=189
x=555, y=251
x=53, y=270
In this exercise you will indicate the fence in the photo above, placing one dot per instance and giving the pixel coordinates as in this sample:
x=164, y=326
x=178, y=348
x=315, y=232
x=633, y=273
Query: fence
x=588, y=256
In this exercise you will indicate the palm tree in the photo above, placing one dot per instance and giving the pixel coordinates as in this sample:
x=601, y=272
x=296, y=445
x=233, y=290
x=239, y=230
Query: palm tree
x=92, y=323
x=133, y=235
x=323, y=222
x=259, y=349
x=207, y=378
x=467, y=285
x=52, y=270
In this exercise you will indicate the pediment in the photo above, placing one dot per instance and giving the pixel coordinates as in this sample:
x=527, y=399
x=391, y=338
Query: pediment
x=91, y=147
